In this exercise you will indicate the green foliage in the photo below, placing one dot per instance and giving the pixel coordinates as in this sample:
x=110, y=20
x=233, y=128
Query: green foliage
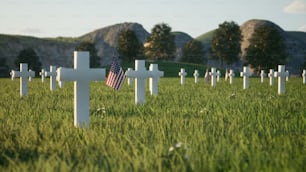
x=94, y=58
x=193, y=52
x=213, y=126
x=225, y=44
x=160, y=44
x=129, y=47
x=30, y=57
x=266, y=50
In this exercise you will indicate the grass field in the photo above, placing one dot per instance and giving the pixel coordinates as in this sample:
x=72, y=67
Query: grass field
x=185, y=128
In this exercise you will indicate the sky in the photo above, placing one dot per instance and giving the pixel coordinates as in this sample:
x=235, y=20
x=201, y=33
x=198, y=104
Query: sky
x=73, y=18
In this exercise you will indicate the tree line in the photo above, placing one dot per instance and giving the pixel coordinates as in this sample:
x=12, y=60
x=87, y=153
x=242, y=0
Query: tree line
x=266, y=49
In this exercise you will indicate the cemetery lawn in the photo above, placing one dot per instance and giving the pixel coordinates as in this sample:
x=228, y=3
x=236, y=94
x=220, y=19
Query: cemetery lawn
x=190, y=127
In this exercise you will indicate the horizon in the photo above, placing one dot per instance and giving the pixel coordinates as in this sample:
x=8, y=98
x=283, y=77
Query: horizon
x=67, y=18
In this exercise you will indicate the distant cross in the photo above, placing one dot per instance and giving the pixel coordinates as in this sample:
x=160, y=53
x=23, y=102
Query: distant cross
x=245, y=74
x=218, y=75
x=154, y=79
x=32, y=74
x=231, y=76
x=42, y=74
x=226, y=75
x=271, y=76
x=129, y=79
x=196, y=76
x=287, y=77
x=281, y=74
x=262, y=76
x=24, y=74
x=140, y=74
x=52, y=75
x=81, y=74
x=206, y=76
x=182, y=74
x=304, y=76
x=213, y=75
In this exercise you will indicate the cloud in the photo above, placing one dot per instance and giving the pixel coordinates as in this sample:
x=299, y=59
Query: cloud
x=297, y=6
x=302, y=28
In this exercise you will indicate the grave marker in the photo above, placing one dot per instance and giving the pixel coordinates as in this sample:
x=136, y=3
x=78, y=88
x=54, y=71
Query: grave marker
x=196, y=76
x=129, y=79
x=304, y=76
x=262, y=76
x=23, y=74
x=32, y=74
x=218, y=75
x=42, y=74
x=271, y=76
x=81, y=74
x=182, y=74
x=231, y=76
x=154, y=79
x=52, y=75
x=281, y=74
x=213, y=75
x=140, y=75
x=287, y=77
x=245, y=74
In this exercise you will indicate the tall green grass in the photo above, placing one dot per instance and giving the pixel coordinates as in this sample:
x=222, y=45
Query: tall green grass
x=224, y=128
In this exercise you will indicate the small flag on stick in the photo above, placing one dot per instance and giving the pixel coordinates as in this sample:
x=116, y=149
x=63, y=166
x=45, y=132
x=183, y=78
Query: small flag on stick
x=115, y=76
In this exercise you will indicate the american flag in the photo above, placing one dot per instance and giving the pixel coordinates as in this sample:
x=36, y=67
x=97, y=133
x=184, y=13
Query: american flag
x=115, y=76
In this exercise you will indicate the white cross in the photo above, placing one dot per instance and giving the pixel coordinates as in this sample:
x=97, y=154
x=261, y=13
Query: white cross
x=245, y=74
x=129, y=79
x=23, y=74
x=226, y=75
x=213, y=75
x=81, y=74
x=287, y=77
x=154, y=79
x=182, y=74
x=140, y=74
x=52, y=75
x=32, y=74
x=271, y=76
x=196, y=76
x=42, y=74
x=262, y=76
x=281, y=74
x=304, y=76
x=218, y=75
x=231, y=76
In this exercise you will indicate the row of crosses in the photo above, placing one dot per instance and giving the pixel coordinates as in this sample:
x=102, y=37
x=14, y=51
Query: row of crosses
x=81, y=74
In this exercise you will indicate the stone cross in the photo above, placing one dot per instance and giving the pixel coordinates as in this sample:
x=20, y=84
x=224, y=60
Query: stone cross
x=52, y=75
x=23, y=74
x=245, y=74
x=32, y=74
x=231, y=76
x=304, y=76
x=42, y=74
x=81, y=74
x=140, y=74
x=206, y=76
x=287, y=77
x=262, y=76
x=154, y=79
x=182, y=74
x=196, y=76
x=213, y=75
x=281, y=74
x=129, y=79
x=226, y=75
x=271, y=76
x=218, y=75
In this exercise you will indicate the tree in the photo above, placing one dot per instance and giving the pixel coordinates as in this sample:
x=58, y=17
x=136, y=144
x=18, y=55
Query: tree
x=226, y=42
x=129, y=47
x=266, y=50
x=30, y=57
x=193, y=52
x=160, y=44
x=94, y=58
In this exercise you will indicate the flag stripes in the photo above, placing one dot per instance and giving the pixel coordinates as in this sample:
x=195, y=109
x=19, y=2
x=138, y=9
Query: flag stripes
x=115, y=76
